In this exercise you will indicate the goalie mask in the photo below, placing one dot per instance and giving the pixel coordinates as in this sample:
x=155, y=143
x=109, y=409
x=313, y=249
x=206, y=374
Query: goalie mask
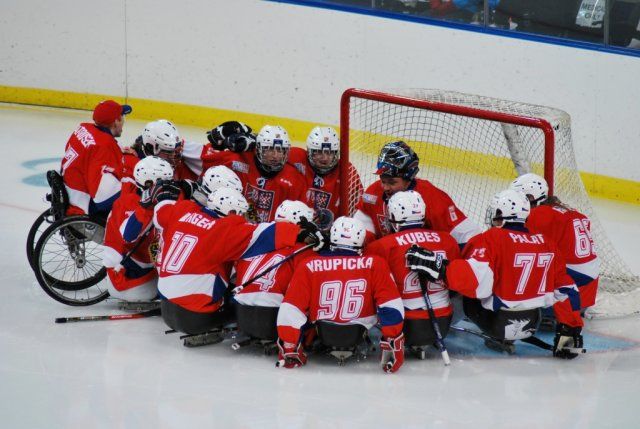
x=161, y=138
x=151, y=169
x=397, y=159
x=532, y=185
x=219, y=177
x=508, y=206
x=272, y=148
x=223, y=201
x=347, y=233
x=406, y=208
x=323, y=149
x=291, y=211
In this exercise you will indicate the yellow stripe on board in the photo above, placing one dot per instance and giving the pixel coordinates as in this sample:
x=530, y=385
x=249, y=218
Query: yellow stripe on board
x=207, y=117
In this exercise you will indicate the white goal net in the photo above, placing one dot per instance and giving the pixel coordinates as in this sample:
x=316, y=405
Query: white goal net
x=472, y=147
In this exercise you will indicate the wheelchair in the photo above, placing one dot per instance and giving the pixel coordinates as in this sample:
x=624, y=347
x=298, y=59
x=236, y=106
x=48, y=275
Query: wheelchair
x=65, y=252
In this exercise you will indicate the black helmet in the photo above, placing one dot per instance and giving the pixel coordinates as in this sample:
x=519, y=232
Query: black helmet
x=397, y=159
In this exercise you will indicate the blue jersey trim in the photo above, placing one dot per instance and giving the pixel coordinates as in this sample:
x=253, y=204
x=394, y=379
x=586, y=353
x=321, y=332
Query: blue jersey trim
x=132, y=229
x=579, y=278
x=389, y=316
x=266, y=242
x=574, y=297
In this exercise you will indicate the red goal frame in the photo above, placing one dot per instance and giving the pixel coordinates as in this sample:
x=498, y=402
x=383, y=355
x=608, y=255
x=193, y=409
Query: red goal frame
x=345, y=102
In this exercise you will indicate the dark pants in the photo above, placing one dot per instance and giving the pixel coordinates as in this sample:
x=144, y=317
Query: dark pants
x=503, y=324
x=257, y=322
x=190, y=322
x=339, y=336
x=419, y=332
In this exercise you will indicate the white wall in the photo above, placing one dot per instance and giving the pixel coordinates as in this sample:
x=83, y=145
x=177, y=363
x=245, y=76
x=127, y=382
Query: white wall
x=295, y=61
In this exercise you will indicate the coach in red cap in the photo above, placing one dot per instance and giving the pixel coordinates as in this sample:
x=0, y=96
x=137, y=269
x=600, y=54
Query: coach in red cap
x=92, y=165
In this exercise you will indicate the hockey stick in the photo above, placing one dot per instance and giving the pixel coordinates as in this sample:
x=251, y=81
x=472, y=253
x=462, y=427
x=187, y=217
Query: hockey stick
x=238, y=289
x=149, y=313
x=434, y=322
x=139, y=241
x=534, y=341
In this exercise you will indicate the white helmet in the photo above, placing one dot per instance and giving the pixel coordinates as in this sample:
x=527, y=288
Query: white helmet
x=508, y=205
x=406, y=208
x=347, y=233
x=532, y=184
x=272, y=137
x=225, y=200
x=161, y=136
x=323, y=140
x=220, y=177
x=151, y=169
x=291, y=211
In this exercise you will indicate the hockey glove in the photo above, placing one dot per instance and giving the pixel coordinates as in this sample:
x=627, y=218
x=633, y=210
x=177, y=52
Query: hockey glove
x=568, y=343
x=240, y=142
x=218, y=135
x=310, y=234
x=426, y=262
x=290, y=355
x=392, y=353
x=188, y=187
x=165, y=190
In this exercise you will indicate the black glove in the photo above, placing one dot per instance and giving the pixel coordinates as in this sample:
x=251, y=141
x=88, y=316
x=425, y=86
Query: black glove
x=187, y=187
x=240, y=142
x=310, y=234
x=217, y=135
x=165, y=190
x=568, y=343
x=426, y=262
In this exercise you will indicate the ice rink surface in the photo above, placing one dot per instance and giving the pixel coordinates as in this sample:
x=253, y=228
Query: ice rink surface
x=129, y=374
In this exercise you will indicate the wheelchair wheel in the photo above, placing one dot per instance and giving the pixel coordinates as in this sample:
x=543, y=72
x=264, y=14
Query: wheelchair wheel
x=41, y=223
x=68, y=260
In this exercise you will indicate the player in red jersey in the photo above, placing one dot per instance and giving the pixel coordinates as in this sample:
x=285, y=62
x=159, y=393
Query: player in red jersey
x=199, y=245
x=319, y=165
x=344, y=294
x=507, y=275
x=133, y=277
x=406, y=215
x=267, y=178
x=570, y=229
x=398, y=167
x=92, y=165
x=257, y=303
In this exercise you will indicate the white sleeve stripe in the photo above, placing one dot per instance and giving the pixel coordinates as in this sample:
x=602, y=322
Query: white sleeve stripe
x=110, y=257
x=256, y=234
x=366, y=221
x=290, y=315
x=465, y=230
x=591, y=268
x=484, y=275
x=108, y=187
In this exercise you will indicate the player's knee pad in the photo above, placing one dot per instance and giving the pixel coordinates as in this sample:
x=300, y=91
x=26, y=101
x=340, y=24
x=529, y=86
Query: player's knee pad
x=257, y=321
x=419, y=332
x=340, y=336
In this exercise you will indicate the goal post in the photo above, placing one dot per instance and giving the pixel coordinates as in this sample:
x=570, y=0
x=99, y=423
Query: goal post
x=473, y=147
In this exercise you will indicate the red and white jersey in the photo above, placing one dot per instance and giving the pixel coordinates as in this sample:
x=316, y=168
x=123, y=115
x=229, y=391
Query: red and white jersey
x=268, y=290
x=198, y=249
x=264, y=194
x=571, y=231
x=510, y=267
x=392, y=248
x=341, y=287
x=119, y=239
x=323, y=191
x=441, y=215
x=91, y=169
x=189, y=166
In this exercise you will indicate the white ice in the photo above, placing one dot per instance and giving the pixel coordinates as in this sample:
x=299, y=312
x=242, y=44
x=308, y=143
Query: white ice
x=129, y=374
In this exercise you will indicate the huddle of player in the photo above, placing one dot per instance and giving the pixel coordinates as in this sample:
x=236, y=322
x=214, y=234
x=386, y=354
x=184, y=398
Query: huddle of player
x=189, y=222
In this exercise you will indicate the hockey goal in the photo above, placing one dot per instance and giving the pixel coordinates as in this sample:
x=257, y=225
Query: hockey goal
x=472, y=147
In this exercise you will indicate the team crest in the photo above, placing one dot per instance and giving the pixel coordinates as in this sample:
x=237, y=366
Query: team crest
x=262, y=202
x=319, y=199
x=385, y=225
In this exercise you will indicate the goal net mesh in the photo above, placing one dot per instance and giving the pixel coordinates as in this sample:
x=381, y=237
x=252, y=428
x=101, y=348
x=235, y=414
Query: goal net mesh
x=472, y=158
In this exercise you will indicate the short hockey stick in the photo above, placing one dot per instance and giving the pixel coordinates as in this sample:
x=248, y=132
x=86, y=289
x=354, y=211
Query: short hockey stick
x=149, y=313
x=139, y=241
x=534, y=341
x=237, y=289
x=434, y=322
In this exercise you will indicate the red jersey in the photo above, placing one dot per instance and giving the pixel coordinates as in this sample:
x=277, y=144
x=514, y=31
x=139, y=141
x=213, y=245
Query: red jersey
x=571, y=231
x=323, y=190
x=512, y=268
x=189, y=166
x=392, y=248
x=263, y=193
x=341, y=287
x=198, y=249
x=119, y=240
x=268, y=290
x=91, y=169
x=441, y=214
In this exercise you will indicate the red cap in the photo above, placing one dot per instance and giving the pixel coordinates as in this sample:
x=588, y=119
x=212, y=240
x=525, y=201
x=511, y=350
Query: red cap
x=108, y=111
